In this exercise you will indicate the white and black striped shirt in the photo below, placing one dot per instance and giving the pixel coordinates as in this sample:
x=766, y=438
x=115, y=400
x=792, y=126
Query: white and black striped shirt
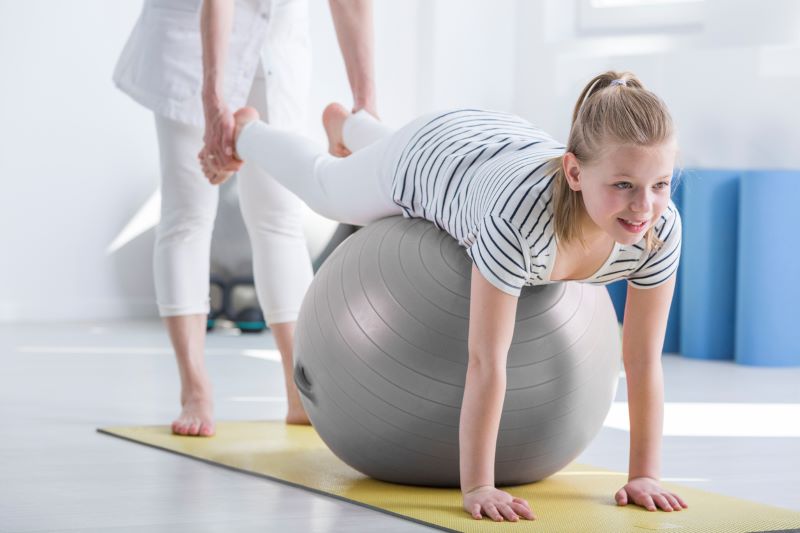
x=484, y=178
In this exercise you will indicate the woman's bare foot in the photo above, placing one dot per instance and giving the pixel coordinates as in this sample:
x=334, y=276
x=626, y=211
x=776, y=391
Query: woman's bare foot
x=196, y=418
x=297, y=415
x=241, y=118
x=333, y=118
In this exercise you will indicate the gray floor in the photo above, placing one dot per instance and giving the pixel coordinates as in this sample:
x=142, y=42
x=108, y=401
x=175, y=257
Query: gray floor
x=58, y=382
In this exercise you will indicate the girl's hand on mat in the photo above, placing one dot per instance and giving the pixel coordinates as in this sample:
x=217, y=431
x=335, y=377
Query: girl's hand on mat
x=647, y=492
x=496, y=504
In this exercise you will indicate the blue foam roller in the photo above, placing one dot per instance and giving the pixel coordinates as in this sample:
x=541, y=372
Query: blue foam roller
x=708, y=290
x=672, y=338
x=618, y=292
x=768, y=289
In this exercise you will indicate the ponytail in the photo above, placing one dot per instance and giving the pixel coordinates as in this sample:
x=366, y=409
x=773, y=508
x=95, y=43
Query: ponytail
x=613, y=107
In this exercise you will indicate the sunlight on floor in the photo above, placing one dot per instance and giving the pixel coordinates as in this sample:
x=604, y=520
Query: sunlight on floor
x=719, y=419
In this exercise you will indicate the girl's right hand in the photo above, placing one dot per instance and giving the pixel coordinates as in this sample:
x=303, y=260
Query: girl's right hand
x=496, y=504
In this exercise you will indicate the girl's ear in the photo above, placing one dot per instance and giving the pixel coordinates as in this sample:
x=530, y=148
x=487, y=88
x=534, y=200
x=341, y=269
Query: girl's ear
x=572, y=171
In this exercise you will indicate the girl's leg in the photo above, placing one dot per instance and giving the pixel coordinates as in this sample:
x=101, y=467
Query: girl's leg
x=281, y=264
x=355, y=189
x=361, y=129
x=181, y=267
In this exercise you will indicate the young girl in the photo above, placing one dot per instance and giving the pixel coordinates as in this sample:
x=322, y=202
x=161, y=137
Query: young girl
x=529, y=211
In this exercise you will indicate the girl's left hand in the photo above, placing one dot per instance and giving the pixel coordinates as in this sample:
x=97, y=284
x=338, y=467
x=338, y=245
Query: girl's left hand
x=648, y=493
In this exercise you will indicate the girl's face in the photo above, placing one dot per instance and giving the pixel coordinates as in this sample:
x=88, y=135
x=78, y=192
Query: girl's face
x=626, y=189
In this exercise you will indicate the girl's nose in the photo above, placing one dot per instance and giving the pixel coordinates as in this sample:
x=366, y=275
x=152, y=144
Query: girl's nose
x=641, y=201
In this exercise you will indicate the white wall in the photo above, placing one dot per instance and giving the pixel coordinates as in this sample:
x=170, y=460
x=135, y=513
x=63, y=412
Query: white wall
x=78, y=158
x=730, y=82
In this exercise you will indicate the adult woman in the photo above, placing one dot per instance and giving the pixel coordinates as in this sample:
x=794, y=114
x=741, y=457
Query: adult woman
x=190, y=63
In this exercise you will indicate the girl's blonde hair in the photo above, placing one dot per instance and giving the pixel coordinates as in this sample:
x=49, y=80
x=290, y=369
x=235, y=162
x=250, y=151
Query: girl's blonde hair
x=613, y=107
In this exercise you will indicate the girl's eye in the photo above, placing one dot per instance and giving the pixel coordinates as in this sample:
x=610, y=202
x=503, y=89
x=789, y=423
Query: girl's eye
x=662, y=185
x=622, y=185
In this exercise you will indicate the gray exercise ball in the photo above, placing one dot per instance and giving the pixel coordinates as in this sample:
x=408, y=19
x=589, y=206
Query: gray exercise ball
x=381, y=358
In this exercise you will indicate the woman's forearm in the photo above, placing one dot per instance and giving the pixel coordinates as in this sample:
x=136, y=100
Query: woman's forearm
x=481, y=408
x=354, y=30
x=646, y=411
x=216, y=20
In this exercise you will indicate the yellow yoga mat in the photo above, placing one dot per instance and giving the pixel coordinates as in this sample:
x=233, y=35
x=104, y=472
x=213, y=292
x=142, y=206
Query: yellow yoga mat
x=577, y=499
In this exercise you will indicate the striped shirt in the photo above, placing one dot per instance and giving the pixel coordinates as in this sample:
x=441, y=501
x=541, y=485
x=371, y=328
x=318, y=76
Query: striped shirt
x=484, y=177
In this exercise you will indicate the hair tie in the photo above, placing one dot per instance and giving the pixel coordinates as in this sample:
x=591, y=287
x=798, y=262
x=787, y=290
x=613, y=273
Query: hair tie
x=619, y=81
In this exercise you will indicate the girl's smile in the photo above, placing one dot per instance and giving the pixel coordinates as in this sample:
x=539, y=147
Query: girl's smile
x=633, y=227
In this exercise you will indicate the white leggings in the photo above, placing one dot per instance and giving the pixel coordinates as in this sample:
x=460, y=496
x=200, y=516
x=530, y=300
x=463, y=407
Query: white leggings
x=355, y=189
x=273, y=217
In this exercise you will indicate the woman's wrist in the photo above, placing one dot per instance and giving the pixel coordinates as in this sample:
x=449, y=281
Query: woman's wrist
x=212, y=92
x=214, y=106
x=213, y=100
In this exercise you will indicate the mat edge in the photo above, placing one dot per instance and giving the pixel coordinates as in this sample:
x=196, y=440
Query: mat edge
x=406, y=518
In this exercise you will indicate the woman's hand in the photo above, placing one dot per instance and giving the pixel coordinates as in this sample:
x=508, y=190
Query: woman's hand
x=218, y=158
x=219, y=132
x=647, y=492
x=496, y=504
x=212, y=171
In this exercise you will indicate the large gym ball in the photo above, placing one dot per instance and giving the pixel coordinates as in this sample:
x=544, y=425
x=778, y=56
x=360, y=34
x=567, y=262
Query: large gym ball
x=381, y=358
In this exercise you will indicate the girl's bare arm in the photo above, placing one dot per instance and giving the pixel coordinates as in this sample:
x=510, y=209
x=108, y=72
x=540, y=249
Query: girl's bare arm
x=492, y=315
x=643, y=330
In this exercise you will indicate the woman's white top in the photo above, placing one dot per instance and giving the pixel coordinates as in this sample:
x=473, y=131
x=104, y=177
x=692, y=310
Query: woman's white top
x=484, y=178
x=161, y=65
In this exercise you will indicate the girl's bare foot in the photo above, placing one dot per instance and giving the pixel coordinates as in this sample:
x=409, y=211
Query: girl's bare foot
x=333, y=118
x=196, y=418
x=241, y=118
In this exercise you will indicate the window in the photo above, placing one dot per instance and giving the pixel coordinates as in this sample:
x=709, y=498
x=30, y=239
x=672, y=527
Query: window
x=599, y=16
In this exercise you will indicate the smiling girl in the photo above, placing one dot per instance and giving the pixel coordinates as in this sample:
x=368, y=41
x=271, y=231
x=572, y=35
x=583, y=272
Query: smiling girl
x=529, y=211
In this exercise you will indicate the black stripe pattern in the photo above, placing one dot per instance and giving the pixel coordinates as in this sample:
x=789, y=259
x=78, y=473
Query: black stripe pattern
x=486, y=178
